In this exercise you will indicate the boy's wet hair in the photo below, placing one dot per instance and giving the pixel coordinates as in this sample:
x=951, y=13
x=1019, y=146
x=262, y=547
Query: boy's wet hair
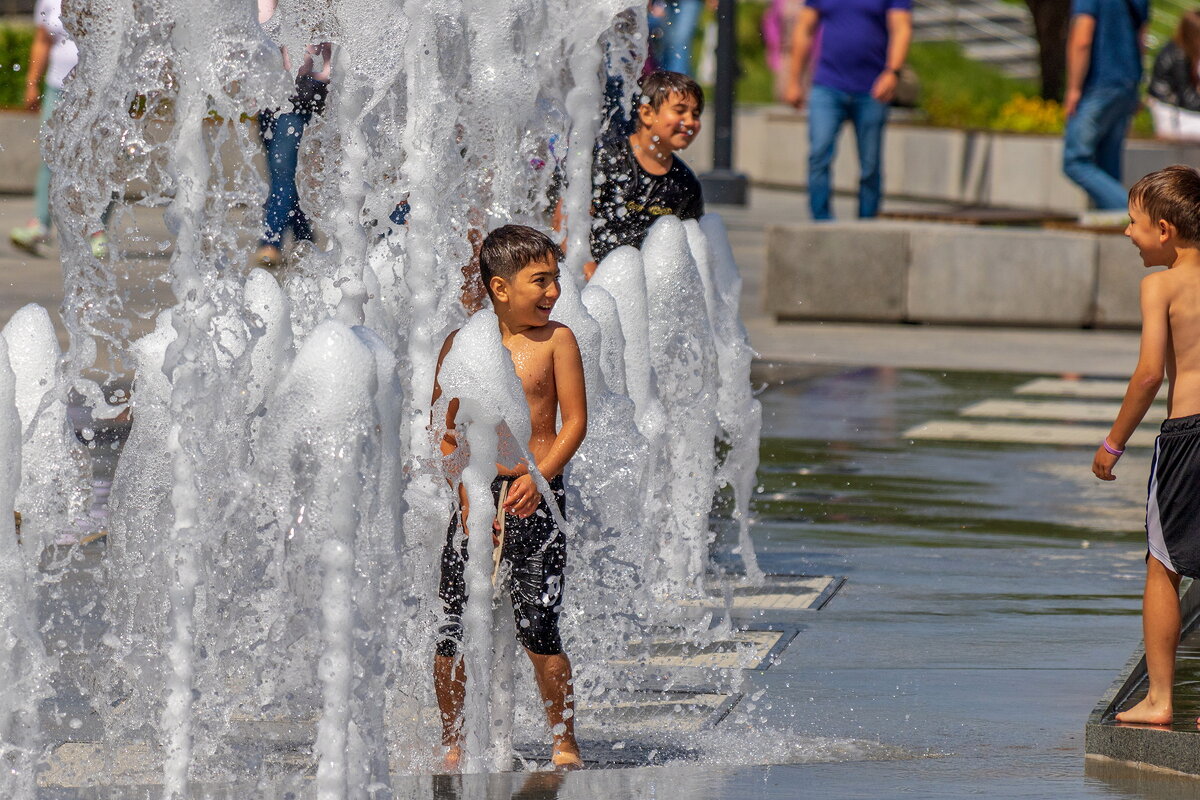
x=510, y=248
x=1171, y=194
x=656, y=89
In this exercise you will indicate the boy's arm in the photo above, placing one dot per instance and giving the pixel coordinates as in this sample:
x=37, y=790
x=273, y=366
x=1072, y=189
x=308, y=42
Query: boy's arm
x=569, y=384
x=449, y=442
x=1147, y=376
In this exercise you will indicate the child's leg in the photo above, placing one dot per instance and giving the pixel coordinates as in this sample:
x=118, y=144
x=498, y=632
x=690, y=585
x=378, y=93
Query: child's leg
x=1160, y=629
x=553, y=675
x=449, y=671
x=450, y=685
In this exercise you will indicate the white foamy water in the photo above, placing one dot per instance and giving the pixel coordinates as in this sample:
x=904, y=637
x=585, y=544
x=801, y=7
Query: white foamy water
x=269, y=601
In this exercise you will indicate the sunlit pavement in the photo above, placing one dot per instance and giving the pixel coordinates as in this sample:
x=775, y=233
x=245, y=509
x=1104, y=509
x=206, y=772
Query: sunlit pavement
x=991, y=587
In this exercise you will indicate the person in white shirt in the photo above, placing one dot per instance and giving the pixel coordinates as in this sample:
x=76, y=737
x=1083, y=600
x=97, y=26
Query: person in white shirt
x=52, y=57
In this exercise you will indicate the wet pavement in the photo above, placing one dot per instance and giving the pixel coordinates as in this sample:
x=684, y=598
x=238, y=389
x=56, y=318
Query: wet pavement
x=992, y=594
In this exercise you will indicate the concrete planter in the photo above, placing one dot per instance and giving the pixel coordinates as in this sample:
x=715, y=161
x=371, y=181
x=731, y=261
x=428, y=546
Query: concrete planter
x=945, y=165
x=19, y=153
x=958, y=274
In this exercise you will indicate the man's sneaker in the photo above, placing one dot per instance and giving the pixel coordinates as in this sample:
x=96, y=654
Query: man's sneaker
x=1104, y=218
x=98, y=241
x=29, y=238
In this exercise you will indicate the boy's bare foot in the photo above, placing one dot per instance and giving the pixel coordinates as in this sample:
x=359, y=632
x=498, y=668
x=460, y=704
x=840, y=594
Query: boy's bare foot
x=1147, y=713
x=452, y=761
x=566, y=757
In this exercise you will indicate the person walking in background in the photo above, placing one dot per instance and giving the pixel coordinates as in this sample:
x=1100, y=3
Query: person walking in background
x=52, y=57
x=1104, y=68
x=778, y=26
x=1174, y=90
x=673, y=26
x=864, y=43
x=281, y=132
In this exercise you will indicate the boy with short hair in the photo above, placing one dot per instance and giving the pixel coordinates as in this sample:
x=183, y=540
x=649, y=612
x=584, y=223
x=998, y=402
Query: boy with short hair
x=520, y=270
x=639, y=178
x=1164, y=208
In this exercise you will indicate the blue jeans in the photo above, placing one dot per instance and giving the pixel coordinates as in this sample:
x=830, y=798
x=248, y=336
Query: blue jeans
x=281, y=137
x=828, y=109
x=678, y=29
x=1095, y=142
x=41, y=192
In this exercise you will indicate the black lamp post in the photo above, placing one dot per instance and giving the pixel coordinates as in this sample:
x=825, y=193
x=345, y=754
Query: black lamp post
x=723, y=185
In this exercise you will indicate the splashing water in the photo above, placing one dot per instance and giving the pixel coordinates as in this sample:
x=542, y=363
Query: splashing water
x=276, y=517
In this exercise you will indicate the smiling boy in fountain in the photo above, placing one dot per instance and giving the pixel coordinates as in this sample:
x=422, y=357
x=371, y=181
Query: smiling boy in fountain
x=1164, y=208
x=519, y=266
x=638, y=178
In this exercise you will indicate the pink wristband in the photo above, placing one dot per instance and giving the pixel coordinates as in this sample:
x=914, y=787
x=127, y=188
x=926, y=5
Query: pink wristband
x=1112, y=451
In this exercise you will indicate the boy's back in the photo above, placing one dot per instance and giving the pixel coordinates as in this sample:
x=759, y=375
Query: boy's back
x=1174, y=296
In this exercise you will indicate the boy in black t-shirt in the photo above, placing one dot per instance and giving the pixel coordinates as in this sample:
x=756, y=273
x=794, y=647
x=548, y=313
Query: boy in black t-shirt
x=638, y=178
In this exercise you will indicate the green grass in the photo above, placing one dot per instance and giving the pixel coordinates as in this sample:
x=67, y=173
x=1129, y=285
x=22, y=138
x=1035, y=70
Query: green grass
x=15, y=40
x=756, y=83
x=959, y=92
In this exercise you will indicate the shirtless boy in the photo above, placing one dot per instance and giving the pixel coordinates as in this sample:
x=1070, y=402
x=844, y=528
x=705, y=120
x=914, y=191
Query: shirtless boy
x=1164, y=208
x=519, y=266
x=639, y=178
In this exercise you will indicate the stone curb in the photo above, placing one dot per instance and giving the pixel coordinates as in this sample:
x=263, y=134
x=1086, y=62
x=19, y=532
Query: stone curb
x=884, y=271
x=1143, y=745
x=20, y=156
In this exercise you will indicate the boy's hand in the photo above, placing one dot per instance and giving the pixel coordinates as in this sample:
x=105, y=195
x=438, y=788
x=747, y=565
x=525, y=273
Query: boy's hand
x=1103, y=463
x=523, y=497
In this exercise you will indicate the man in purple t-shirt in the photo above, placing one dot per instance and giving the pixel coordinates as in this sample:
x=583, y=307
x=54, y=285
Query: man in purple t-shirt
x=863, y=46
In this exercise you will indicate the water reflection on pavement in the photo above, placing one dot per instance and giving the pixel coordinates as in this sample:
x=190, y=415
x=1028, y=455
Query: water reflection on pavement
x=993, y=594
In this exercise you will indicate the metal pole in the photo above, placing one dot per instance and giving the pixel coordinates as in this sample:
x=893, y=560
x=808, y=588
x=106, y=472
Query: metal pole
x=722, y=185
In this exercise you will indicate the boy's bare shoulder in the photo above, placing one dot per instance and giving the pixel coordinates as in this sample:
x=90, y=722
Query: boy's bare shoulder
x=1157, y=284
x=562, y=335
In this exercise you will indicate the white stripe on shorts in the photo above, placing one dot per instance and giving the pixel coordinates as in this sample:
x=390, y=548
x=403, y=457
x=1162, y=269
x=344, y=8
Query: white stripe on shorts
x=1154, y=533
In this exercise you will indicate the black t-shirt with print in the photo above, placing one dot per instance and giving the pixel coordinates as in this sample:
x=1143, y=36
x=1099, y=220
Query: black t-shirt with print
x=626, y=200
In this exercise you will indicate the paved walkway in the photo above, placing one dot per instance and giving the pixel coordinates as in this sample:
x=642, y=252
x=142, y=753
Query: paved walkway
x=1097, y=353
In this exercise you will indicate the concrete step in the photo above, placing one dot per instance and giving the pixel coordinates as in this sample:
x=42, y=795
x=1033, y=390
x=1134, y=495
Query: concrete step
x=990, y=31
x=1172, y=748
x=951, y=15
x=998, y=51
x=953, y=33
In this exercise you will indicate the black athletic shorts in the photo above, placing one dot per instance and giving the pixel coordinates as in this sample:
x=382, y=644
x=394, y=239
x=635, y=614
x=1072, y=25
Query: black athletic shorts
x=1173, y=501
x=536, y=554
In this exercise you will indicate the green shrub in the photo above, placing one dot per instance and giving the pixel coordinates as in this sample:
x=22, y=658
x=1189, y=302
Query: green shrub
x=1030, y=115
x=755, y=81
x=16, y=38
x=958, y=92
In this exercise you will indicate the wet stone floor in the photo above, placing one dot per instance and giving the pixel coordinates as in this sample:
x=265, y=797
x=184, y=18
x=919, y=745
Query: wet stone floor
x=991, y=594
